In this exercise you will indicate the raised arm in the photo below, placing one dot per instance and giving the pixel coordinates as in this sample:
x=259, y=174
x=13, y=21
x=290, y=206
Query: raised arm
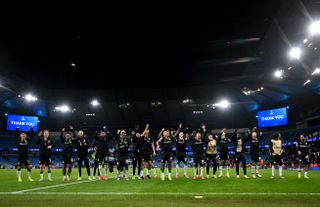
x=145, y=130
x=234, y=135
x=160, y=133
x=178, y=131
x=61, y=134
x=16, y=134
x=153, y=149
x=31, y=134
x=203, y=132
x=270, y=148
x=39, y=136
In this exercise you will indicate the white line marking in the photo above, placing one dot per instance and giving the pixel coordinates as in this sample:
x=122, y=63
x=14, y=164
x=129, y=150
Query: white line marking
x=49, y=186
x=154, y=193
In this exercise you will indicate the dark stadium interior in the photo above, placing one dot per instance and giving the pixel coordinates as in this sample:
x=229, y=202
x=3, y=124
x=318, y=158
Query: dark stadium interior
x=203, y=56
x=154, y=64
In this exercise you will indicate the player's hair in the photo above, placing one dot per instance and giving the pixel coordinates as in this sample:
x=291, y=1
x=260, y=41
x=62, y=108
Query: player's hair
x=276, y=135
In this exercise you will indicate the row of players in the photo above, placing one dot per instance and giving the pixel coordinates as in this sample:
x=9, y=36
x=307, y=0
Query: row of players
x=204, y=146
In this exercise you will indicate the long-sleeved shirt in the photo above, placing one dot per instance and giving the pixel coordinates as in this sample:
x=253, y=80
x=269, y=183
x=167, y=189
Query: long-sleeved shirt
x=239, y=143
x=181, y=145
x=254, y=142
x=82, y=146
x=44, y=143
x=303, y=147
x=23, y=144
x=223, y=141
x=122, y=146
x=198, y=144
x=102, y=143
x=67, y=147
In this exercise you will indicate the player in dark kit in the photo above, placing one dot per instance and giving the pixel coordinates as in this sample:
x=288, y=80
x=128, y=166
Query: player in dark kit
x=147, y=150
x=166, y=142
x=101, y=145
x=23, y=152
x=303, y=151
x=82, y=146
x=136, y=155
x=276, y=152
x=223, y=142
x=46, y=144
x=181, y=153
x=198, y=151
x=122, y=148
x=239, y=144
x=67, y=138
x=255, y=152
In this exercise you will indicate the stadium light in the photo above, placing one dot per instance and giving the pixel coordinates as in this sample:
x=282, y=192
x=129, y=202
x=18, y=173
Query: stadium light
x=30, y=98
x=185, y=101
x=316, y=71
x=295, y=53
x=307, y=82
x=278, y=74
x=95, y=102
x=63, y=108
x=223, y=104
x=314, y=28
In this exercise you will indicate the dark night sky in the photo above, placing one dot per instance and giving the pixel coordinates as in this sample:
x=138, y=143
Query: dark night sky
x=139, y=47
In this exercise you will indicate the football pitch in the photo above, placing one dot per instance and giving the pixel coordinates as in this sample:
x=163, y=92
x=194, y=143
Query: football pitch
x=178, y=192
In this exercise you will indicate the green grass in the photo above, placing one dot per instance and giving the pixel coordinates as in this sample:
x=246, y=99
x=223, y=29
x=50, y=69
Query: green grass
x=215, y=192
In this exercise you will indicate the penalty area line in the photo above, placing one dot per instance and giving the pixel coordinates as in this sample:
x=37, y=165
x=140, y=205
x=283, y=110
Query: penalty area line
x=46, y=187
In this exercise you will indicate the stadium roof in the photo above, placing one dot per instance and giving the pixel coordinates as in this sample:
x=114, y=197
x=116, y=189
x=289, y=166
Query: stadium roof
x=155, y=60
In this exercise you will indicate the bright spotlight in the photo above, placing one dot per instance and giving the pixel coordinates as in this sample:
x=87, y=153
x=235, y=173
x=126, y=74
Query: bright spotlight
x=278, y=74
x=314, y=28
x=305, y=40
x=295, y=53
x=308, y=81
x=316, y=71
x=30, y=98
x=223, y=104
x=95, y=102
x=63, y=108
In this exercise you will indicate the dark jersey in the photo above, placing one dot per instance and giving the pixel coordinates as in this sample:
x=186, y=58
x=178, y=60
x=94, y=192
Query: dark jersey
x=303, y=147
x=67, y=147
x=198, y=144
x=82, y=146
x=181, y=146
x=223, y=142
x=123, y=146
x=23, y=143
x=254, y=144
x=44, y=143
x=136, y=145
x=146, y=145
x=166, y=144
x=102, y=143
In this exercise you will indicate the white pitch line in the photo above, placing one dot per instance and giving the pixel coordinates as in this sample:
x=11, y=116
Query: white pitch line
x=48, y=187
x=153, y=193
